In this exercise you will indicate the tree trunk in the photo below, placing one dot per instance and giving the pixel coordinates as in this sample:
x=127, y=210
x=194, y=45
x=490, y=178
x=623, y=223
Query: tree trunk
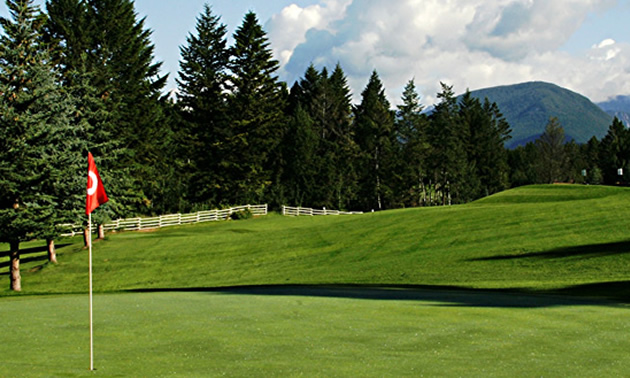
x=86, y=237
x=52, y=253
x=16, y=279
x=101, y=231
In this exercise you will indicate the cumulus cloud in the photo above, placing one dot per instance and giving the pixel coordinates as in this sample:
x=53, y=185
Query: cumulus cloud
x=465, y=43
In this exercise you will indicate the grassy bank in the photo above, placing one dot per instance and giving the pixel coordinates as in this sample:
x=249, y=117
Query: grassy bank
x=534, y=238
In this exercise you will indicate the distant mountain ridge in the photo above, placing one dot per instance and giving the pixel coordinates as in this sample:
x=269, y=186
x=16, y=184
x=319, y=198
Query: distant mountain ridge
x=618, y=106
x=528, y=106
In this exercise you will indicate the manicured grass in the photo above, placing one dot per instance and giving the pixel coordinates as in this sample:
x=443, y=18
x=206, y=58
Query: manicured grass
x=535, y=238
x=317, y=331
x=530, y=282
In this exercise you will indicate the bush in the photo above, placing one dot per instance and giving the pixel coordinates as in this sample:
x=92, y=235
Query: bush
x=242, y=214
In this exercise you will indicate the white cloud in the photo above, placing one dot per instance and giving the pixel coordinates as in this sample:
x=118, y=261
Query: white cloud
x=465, y=43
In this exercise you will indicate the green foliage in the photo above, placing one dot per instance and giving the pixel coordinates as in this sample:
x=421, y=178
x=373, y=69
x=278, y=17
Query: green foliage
x=552, y=161
x=40, y=148
x=242, y=214
x=319, y=149
x=614, y=153
x=256, y=114
x=106, y=62
x=202, y=105
x=376, y=141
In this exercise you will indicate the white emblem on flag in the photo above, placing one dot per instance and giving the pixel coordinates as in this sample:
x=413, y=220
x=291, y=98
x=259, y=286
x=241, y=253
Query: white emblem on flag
x=92, y=189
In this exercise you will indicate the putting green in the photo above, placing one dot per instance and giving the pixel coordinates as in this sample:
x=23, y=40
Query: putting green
x=315, y=331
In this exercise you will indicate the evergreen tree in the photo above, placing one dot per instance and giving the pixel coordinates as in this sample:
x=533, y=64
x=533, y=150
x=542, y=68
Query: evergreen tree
x=202, y=82
x=575, y=163
x=494, y=167
x=521, y=161
x=38, y=147
x=320, y=116
x=411, y=127
x=448, y=160
x=342, y=150
x=551, y=162
x=590, y=152
x=256, y=108
x=375, y=137
x=106, y=59
x=487, y=157
x=615, y=153
x=302, y=142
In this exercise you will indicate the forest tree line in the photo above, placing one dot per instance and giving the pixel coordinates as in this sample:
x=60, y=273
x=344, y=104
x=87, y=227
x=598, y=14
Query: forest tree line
x=81, y=76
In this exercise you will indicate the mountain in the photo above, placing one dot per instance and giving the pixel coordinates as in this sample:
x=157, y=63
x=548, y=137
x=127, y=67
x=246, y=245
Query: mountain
x=528, y=107
x=619, y=107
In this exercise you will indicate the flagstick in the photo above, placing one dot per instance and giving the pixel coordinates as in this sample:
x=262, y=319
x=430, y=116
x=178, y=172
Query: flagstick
x=90, y=274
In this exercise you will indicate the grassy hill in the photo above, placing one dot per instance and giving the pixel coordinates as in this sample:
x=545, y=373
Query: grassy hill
x=528, y=107
x=471, y=290
x=538, y=238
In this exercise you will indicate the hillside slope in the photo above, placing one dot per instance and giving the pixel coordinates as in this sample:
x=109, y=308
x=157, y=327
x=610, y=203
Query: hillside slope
x=528, y=107
x=618, y=106
x=529, y=238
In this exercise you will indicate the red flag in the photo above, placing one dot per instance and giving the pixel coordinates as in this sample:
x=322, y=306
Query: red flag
x=96, y=195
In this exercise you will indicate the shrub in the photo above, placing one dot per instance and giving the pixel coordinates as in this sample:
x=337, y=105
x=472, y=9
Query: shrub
x=242, y=214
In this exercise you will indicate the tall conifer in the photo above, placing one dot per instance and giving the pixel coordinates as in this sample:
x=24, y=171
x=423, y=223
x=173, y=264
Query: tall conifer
x=256, y=107
x=375, y=137
x=38, y=146
x=202, y=102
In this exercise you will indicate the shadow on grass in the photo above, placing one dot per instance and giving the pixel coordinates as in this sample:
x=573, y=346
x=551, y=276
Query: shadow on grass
x=441, y=295
x=26, y=251
x=23, y=260
x=28, y=259
x=582, y=251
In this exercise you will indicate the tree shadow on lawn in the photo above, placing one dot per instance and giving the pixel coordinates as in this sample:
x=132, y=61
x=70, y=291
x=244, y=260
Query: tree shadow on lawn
x=27, y=251
x=442, y=295
x=581, y=251
x=24, y=259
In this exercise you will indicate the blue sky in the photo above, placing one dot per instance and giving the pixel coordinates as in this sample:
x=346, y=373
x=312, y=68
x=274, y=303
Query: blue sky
x=583, y=45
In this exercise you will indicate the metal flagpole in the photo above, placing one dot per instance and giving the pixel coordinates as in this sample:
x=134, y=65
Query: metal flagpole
x=90, y=275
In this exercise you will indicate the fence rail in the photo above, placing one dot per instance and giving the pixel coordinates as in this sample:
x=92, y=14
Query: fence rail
x=136, y=224
x=298, y=211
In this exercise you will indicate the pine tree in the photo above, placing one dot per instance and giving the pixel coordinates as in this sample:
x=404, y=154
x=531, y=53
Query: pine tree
x=106, y=60
x=487, y=132
x=521, y=162
x=257, y=104
x=375, y=137
x=38, y=146
x=202, y=102
x=614, y=153
x=551, y=162
x=343, y=149
x=302, y=142
x=448, y=160
x=411, y=128
x=591, y=151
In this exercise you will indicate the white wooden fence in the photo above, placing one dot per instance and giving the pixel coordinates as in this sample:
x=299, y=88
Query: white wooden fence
x=297, y=211
x=136, y=224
